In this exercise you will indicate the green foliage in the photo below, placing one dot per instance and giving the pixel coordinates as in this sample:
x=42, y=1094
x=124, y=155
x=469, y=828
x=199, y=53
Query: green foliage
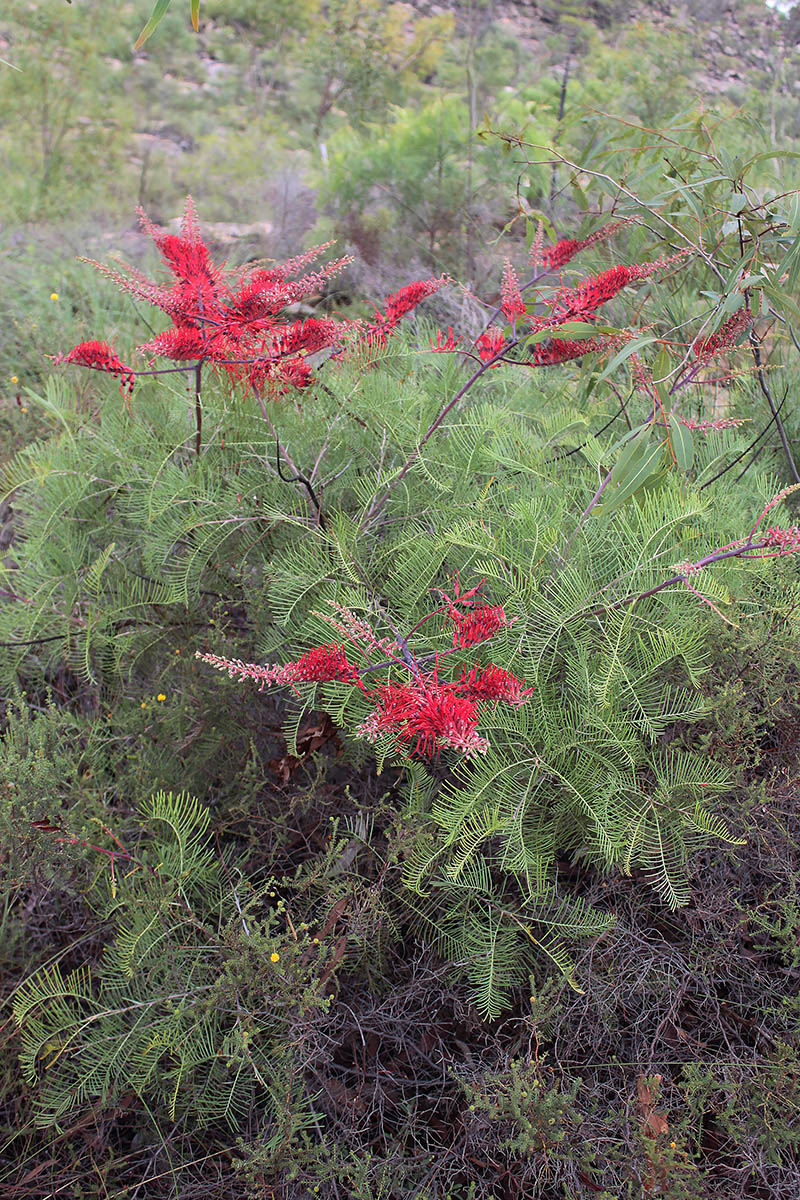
x=519, y=1100
x=215, y=553
x=195, y=1030
x=157, y=15
x=418, y=175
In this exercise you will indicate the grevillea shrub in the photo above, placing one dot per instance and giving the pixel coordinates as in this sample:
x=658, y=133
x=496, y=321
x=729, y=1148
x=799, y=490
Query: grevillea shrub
x=497, y=587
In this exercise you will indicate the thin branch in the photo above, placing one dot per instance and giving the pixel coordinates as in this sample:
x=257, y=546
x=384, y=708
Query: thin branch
x=747, y=449
x=299, y=478
x=378, y=504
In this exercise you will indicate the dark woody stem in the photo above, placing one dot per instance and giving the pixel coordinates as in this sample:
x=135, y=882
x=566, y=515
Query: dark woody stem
x=198, y=409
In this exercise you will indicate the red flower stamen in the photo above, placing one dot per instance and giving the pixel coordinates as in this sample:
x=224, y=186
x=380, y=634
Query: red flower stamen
x=490, y=344
x=559, y=255
x=493, y=683
x=513, y=305
x=725, y=337
x=99, y=356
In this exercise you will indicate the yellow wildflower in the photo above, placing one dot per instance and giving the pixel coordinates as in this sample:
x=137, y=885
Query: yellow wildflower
x=274, y=957
x=160, y=697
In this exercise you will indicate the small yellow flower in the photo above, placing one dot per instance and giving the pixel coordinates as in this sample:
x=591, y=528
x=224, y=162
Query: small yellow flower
x=143, y=704
x=22, y=408
x=54, y=295
x=160, y=697
x=673, y=1145
x=15, y=379
x=274, y=957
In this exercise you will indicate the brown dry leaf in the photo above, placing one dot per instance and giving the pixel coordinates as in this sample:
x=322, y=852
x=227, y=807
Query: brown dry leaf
x=310, y=737
x=338, y=955
x=284, y=767
x=336, y=911
x=653, y=1122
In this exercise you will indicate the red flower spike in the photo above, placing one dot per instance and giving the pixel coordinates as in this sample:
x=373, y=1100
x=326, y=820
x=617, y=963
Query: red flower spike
x=178, y=344
x=444, y=345
x=559, y=255
x=426, y=717
x=513, y=305
x=397, y=306
x=645, y=270
x=725, y=337
x=99, y=356
x=493, y=683
x=402, y=302
x=784, y=541
x=236, y=669
x=718, y=423
x=294, y=265
x=581, y=303
x=310, y=336
x=490, y=343
x=294, y=372
x=477, y=626
x=536, y=255
x=641, y=374
x=357, y=629
x=561, y=350
x=324, y=664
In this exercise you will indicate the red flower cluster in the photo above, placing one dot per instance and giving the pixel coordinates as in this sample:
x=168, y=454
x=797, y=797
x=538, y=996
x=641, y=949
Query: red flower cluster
x=726, y=336
x=783, y=541
x=424, y=714
x=513, y=305
x=473, y=621
x=397, y=305
x=99, y=356
x=559, y=255
x=493, y=683
x=235, y=321
x=490, y=343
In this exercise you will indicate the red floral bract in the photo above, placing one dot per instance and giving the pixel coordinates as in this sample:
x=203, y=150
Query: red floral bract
x=424, y=714
x=236, y=321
